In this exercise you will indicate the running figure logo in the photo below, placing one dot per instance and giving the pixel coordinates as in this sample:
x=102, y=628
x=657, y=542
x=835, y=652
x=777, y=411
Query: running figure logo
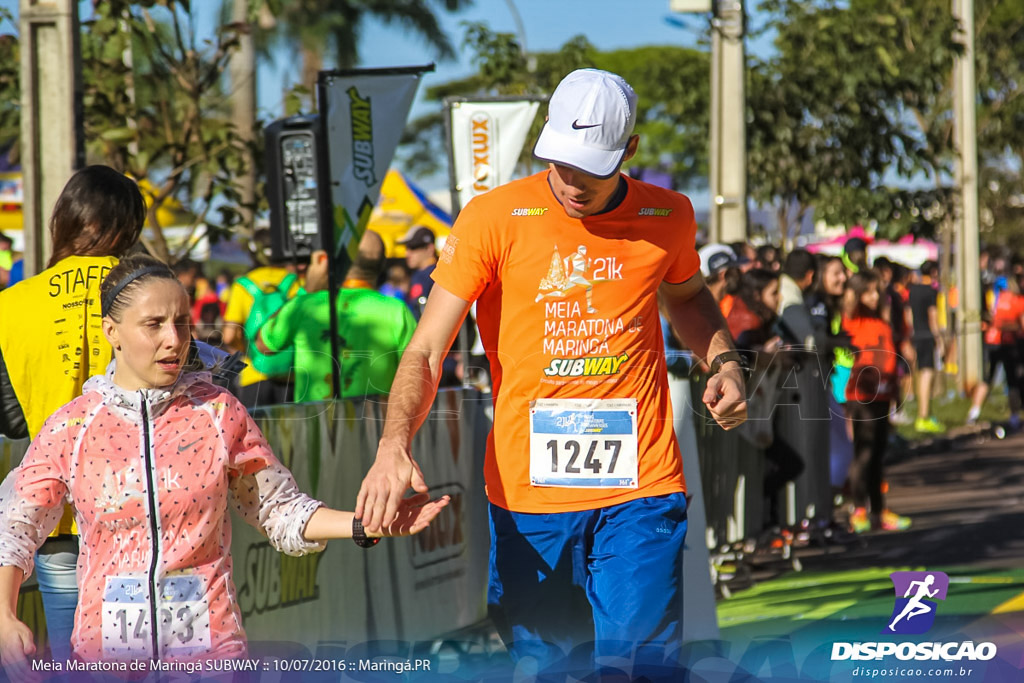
x=565, y=274
x=914, y=612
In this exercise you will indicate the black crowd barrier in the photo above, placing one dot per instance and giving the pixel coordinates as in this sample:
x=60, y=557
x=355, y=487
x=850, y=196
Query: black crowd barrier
x=802, y=424
x=787, y=432
x=731, y=473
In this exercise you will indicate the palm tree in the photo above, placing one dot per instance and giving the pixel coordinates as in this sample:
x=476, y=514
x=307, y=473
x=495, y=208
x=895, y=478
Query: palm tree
x=322, y=28
x=242, y=74
x=314, y=26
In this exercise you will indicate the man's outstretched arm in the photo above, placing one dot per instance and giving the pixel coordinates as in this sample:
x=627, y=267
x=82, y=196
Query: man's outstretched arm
x=412, y=394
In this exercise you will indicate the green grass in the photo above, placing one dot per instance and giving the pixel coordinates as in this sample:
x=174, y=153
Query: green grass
x=952, y=411
x=817, y=600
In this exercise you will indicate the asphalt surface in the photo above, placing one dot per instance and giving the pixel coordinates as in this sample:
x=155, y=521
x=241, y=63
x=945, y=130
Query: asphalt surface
x=965, y=496
x=966, y=501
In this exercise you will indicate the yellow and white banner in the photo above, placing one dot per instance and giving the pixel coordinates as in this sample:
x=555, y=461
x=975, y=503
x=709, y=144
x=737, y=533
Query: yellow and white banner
x=486, y=140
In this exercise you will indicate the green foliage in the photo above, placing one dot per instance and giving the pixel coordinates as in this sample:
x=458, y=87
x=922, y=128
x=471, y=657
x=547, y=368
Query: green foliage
x=155, y=109
x=154, y=101
x=999, y=27
x=671, y=84
x=1001, y=198
x=328, y=30
x=497, y=56
x=294, y=98
x=856, y=91
x=872, y=79
x=896, y=211
x=999, y=64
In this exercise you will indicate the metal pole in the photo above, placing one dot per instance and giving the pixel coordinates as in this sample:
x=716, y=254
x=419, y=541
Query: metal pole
x=461, y=343
x=730, y=199
x=969, y=317
x=52, y=144
x=328, y=236
x=714, y=138
x=453, y=184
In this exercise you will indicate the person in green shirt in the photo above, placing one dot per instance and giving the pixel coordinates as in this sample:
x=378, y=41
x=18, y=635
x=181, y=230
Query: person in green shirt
x=6, y=259
x=373, y=329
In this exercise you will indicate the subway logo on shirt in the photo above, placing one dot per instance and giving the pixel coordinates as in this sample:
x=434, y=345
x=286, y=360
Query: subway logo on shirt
x=586, y=367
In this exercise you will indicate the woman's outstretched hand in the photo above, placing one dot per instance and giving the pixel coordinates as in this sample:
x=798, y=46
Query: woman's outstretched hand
x=414, y=515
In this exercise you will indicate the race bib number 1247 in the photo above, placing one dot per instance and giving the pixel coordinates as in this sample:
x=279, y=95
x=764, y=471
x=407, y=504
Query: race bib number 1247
x=589, y=443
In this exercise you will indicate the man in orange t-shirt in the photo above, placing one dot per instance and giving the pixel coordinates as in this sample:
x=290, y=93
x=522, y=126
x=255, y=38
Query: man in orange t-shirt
x=583, y=472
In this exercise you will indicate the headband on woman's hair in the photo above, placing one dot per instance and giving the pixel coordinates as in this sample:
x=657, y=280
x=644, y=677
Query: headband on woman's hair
x=111, y=296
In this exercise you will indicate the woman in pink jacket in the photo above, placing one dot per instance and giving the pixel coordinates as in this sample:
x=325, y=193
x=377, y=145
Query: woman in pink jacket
x=151, y=455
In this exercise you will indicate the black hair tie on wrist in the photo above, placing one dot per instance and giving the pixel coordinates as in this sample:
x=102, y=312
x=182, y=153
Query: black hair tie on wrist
x=111, y=296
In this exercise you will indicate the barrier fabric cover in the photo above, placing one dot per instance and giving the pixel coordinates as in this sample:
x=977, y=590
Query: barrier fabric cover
x=403, y=588
x=406, y=589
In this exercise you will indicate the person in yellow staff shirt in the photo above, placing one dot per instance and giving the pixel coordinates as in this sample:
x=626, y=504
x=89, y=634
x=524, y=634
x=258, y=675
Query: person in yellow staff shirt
x=256, y=388
x=51, y=341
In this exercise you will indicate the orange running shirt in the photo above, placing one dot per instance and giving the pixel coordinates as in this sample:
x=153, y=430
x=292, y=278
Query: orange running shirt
x=726, y=305
x=567, y=309
x=873, y=377
x=1006, y=319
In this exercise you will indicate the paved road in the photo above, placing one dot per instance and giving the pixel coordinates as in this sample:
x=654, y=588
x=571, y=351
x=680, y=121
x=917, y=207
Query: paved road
x=967, y=503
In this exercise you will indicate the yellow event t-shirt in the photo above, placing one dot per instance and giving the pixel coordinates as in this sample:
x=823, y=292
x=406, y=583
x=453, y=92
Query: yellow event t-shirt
x=51, y=336
x=568, y=310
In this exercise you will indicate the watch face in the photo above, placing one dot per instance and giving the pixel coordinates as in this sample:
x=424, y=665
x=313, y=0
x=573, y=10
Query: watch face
x=359, y=535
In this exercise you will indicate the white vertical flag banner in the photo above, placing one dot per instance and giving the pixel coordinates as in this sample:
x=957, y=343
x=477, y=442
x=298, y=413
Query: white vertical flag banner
x=487, y=138
x=365, y=116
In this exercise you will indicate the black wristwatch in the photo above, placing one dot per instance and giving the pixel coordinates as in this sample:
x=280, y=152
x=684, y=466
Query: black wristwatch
x=360, y=537
x=727, y=357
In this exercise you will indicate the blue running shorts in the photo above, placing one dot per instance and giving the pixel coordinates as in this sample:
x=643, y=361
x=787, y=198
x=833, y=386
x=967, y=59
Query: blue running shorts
x=579, y=591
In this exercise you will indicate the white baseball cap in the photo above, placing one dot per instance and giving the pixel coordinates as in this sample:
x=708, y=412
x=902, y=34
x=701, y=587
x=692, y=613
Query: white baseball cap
x=590, y=120
x=715, y=258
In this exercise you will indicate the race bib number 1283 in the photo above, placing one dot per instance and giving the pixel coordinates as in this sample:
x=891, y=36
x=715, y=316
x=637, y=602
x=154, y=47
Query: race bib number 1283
x=583, y=443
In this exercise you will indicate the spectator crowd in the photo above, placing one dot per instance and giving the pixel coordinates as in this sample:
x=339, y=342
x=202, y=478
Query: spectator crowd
x=879, y=327
x=880, y=331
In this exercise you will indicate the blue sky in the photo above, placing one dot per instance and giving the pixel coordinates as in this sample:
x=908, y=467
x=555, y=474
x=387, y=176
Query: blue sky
x=546, y=25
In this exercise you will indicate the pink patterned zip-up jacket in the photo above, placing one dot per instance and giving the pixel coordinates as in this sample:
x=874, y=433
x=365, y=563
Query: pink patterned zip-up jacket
x=150, y=474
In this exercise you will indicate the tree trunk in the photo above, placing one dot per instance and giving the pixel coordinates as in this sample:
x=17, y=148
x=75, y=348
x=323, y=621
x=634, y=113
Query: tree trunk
x=158, y=247
x=312, y=63
x=782, y=220
x=242, y=71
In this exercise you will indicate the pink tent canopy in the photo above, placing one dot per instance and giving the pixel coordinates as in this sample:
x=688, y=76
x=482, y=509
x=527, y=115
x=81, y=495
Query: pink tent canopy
x=906, y=251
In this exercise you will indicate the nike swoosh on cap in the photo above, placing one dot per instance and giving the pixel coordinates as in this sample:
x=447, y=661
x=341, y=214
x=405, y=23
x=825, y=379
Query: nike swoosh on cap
x=576, y=125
